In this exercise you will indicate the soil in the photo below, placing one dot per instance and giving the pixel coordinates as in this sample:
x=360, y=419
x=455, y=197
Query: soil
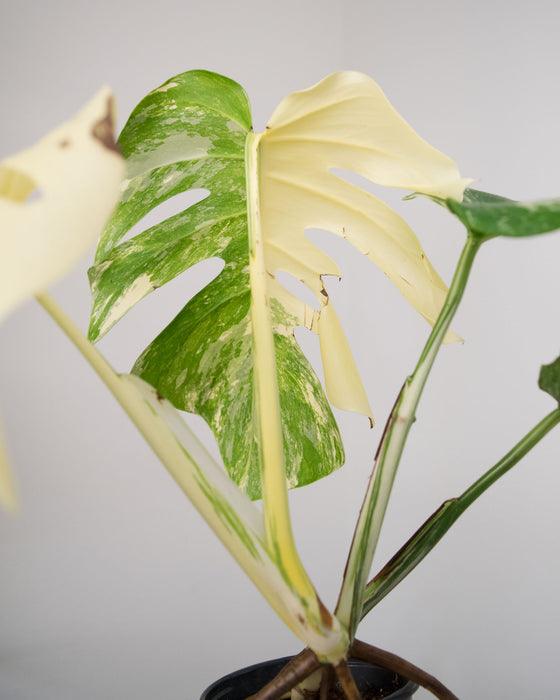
x=368, y=692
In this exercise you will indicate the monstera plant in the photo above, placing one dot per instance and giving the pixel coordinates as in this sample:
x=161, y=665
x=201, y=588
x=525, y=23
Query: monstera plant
x=231, y=356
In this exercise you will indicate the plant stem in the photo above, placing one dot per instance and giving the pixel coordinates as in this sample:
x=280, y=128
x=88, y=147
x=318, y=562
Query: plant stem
x=346, y=680
x=392, y=662
x=96, y=360
x=388, y=456
x=267, y=416
x=327, y=682
x=276, y=512
x=436, y=526
x=297, y=670
x=517, y=453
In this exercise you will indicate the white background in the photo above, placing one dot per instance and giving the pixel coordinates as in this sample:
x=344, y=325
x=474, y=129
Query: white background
x=111, y=586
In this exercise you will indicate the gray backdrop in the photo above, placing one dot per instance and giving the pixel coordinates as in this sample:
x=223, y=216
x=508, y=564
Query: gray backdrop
x=111, y=585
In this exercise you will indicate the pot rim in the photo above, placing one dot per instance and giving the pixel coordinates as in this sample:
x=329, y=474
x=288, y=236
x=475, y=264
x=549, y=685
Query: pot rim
x=404, y=691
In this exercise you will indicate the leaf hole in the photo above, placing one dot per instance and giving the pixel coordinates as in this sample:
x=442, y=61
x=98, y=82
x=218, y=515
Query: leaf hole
x=139, y=326
x=176, y=204
x=389, y=195
x=297, y=288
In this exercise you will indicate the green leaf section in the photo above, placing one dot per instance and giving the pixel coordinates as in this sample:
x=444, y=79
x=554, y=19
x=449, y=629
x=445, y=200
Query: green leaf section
x=490, y=215
x=549, y=379
x=190, y=134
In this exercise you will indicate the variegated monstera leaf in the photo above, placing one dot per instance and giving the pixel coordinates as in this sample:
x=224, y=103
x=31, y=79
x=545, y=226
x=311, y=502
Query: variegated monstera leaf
x=264, y=190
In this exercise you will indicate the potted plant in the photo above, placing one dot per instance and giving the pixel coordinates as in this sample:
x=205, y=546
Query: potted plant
x=230, y=355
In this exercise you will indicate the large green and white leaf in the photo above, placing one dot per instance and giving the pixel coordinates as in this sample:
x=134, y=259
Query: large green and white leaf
x=191, y=133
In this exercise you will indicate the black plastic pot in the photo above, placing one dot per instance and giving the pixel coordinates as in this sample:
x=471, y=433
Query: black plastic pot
x=241, y=684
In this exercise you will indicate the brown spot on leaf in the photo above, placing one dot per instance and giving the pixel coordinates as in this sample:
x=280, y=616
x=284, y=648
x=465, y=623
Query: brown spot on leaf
x=324, y=293
x=104, y=129
x=65, y=143
x=326, y=617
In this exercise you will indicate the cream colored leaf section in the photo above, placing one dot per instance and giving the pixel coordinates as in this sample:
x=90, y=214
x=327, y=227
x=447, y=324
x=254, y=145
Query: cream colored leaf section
x=348, y=110
x=346, y=122
x=338, y=364
x=74, y=174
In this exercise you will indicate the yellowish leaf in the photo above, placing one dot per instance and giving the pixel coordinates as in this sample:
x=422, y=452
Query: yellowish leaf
x=55, y=198
x=74, y=174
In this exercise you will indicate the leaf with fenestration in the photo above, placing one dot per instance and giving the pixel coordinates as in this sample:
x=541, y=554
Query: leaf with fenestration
x=491, y=215
x=549, y=379
x=191, y=133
